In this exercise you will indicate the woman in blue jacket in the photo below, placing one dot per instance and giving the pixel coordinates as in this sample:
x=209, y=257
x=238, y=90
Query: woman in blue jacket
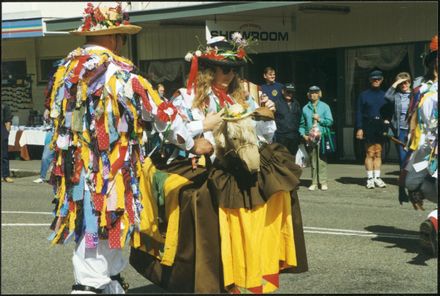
x=317, y=112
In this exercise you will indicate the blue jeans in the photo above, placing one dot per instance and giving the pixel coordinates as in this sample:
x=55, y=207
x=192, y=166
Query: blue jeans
x=47, y=156
x=403, y=137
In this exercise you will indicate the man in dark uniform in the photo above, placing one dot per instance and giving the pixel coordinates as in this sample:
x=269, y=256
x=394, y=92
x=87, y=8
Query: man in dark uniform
x=287, y=118
x=369, y=124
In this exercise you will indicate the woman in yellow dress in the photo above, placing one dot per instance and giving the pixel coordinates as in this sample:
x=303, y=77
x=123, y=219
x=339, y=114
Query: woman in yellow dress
x=235, y=230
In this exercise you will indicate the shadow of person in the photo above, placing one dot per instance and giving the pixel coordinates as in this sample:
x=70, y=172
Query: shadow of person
x=362, y=181
x=150, y=289
x=393, y=173
x=407, y=240
x=305, y=183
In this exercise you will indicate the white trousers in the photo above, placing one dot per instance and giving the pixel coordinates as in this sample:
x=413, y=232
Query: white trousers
x=93, y=267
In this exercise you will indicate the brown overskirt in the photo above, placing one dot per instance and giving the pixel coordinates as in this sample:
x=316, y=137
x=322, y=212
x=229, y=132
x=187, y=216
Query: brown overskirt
x=201, y=271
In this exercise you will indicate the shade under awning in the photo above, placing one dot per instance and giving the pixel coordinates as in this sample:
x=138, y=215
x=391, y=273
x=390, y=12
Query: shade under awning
x=22, y=28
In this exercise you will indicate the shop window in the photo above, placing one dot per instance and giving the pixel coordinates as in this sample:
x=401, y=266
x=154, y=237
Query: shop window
x=171, y=73
x=360, y=62
x=16, y=89
x=46, y=69
x=13, y=71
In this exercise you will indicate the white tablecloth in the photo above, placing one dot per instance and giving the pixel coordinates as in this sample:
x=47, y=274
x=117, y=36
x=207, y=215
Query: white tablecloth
x=28, y=137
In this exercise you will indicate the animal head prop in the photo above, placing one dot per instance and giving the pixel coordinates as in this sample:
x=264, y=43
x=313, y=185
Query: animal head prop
x=236, y=139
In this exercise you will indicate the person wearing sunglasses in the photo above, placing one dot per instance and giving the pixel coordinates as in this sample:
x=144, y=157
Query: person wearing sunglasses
x=220, y=247
x=370, y=125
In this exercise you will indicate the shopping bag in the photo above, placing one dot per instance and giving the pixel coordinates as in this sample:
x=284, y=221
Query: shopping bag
x=302, y=157
x=328, y=143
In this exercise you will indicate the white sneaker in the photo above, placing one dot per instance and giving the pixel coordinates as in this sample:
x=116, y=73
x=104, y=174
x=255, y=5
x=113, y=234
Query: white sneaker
x=313, y=187
x=38, y=181
x=324, y=187
x=379, y=183
x=370, y=183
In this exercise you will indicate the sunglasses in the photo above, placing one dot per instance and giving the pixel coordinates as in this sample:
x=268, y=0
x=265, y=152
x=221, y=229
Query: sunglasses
x=376, y=79
x=227, y=69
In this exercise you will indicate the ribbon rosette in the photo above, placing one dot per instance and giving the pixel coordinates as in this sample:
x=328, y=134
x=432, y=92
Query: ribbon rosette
x=166, y=112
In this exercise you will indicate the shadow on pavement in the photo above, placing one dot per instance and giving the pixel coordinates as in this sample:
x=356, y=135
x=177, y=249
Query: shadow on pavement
x=393, y=173
x=151, y=288
x=409, y=245
x=305, y=183
x=363, y=181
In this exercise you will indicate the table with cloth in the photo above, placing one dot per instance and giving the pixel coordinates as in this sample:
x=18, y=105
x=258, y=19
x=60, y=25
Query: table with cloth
x=21, y=137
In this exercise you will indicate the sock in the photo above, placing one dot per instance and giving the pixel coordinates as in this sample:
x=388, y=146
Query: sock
x=370, y=174
x=377, y=174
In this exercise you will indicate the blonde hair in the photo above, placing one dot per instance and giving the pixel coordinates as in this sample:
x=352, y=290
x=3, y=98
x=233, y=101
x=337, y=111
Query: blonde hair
x=205, y=79
x=403, y=75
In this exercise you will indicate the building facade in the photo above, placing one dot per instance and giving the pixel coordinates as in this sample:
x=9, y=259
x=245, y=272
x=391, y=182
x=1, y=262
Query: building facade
x=330, y=44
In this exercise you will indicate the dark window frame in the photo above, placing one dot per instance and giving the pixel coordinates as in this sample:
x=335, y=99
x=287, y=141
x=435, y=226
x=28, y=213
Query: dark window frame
x=46, y=69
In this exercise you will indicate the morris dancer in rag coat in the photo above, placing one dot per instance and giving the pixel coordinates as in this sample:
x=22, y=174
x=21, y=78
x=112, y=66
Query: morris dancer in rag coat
x=100, y=106
x=226, y=229
x=420, y=175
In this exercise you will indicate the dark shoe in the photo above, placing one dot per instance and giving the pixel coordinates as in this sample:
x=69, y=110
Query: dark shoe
x=403, y=196
x=428, y=238
x=78, y=287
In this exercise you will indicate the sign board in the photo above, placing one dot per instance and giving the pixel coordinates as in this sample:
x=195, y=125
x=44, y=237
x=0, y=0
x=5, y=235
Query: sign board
x=274, y=31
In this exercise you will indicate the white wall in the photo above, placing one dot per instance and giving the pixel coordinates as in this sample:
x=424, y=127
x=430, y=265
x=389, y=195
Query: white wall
x=76, y=8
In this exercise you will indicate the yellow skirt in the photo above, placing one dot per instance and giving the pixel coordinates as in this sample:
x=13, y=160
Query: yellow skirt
x=256, y=244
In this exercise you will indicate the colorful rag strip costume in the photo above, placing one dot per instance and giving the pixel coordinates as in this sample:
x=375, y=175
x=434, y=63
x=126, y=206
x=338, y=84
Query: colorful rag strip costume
x=99, y=107
x=424, y=123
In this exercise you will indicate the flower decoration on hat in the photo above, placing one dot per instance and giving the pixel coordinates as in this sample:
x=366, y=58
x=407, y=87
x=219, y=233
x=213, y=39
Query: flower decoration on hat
x=219, y=52
x=433, y=46
x=431, y=55
x=105, y=20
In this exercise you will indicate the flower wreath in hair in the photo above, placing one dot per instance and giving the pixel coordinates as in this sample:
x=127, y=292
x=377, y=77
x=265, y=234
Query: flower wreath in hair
x=234, y=54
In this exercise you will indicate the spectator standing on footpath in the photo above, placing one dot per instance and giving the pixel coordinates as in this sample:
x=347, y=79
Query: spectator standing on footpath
x=287, y=118
x=316, y=113
x=271, y=88
x=48, y=153
x=399, y=95
x=100, y=107
x=370, y=125
x=6, y=127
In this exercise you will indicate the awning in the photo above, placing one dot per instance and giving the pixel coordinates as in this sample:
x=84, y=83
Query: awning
x=184, y=12
x=22, y=28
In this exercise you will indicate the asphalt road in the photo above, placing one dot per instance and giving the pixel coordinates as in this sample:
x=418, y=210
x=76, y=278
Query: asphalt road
x=358, y=241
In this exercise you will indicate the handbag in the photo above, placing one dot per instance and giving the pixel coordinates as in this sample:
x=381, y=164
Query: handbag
x=328, y=143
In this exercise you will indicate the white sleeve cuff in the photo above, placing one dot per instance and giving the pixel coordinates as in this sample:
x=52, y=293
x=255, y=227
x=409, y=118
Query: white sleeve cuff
x=195, y=127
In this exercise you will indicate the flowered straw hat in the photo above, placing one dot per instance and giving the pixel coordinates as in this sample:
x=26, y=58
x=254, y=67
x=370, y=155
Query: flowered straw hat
x=218, y=52
x=105, y=21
